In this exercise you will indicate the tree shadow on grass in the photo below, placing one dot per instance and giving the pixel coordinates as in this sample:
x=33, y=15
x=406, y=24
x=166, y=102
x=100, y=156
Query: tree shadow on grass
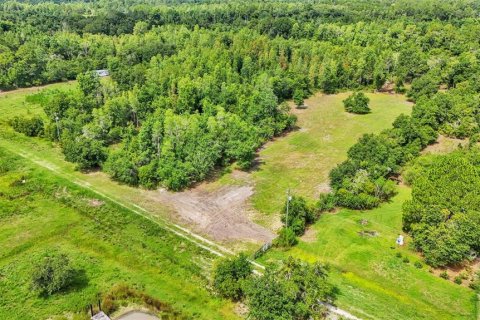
x=80, y=281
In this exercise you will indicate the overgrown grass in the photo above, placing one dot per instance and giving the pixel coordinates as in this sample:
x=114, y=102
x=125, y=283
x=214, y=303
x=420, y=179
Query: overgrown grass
x=302, y=159
x=14, y=103
x=106, y=243
x=374, y=282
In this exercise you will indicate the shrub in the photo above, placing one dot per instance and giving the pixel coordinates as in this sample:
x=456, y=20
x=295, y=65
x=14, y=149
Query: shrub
x=426, y=85
x=360, y=201
x=52, y=273
x=326, y=202
x=458, y=280
x=291, y=291
x=30, y=127
x=444, y=275
x=398, y=254
x=406, y=260
x=298, y=96
x=357, y=102
x=299, y=214
x=418, y=265
x=286, y=238
x=229, y=275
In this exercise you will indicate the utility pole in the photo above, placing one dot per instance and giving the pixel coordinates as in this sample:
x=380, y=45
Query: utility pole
x=58, y=128
x=289, y=197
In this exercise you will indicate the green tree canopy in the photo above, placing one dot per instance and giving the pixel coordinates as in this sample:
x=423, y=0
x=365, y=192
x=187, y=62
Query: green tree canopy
x=52, y=273
x=357, y=102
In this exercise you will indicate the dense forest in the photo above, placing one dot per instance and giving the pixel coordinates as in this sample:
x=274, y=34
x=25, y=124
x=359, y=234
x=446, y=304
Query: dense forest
x=198, y=86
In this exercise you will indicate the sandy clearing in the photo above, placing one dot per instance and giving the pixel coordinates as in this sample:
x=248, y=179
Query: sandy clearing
x=221, y=213
x=444, y=145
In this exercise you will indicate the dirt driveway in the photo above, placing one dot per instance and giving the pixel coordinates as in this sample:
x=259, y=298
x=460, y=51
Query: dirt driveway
x=223, y=213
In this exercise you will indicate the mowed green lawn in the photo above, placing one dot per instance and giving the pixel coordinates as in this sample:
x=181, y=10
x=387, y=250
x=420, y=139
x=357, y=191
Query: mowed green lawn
x=106, y=243
x=302, y=159
x=374, y=283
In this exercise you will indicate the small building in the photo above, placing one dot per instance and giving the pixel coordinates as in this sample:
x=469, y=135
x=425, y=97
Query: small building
x=100, y=316
x=102, y=73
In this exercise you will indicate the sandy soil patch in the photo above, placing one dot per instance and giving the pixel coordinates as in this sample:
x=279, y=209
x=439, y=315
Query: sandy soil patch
x=95, y=203
x=444, y=145
x=322, y=188
x=221, y=213
x=310, y=235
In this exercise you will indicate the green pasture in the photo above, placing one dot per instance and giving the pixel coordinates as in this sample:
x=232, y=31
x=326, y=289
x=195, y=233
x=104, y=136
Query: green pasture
x=374, y=282
x=107, y=244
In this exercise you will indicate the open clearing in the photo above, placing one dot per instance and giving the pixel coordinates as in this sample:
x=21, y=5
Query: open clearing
x=302, y=159
x=374, y=283
x=220, y=213
x=12, y=103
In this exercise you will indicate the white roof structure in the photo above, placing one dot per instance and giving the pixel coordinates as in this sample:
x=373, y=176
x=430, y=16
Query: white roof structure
x=102, y=73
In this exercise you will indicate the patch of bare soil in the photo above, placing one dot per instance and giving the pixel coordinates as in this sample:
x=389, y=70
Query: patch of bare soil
x=322, y=188
x=388, y=87
x=221, y=213
x=444, y=145
x=309, y=236
x=467, y=271
x=95, y=203
x=241, y=309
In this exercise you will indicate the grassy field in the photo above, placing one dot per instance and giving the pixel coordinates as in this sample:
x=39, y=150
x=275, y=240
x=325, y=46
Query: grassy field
x=374, y=283
x=106, y=243
x=302, y=159
x=12, y=103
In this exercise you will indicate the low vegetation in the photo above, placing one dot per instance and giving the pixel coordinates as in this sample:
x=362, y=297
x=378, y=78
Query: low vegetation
x=324, y=137
x=89, y=246
x=295, y=289
x=52, y=273
x=357, y=102
x=230, y=275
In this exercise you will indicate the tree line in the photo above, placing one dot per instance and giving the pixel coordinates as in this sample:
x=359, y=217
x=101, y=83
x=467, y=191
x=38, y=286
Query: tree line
x=195, y=87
